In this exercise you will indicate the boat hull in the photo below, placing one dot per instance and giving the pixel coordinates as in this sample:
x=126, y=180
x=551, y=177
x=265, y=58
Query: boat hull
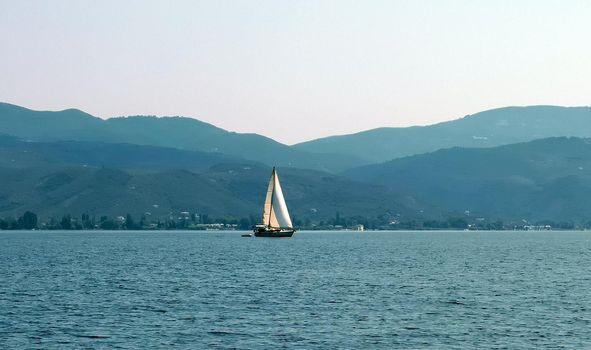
x=273, y=233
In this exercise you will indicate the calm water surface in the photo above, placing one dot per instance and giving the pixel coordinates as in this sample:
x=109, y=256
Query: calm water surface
x=320, y=290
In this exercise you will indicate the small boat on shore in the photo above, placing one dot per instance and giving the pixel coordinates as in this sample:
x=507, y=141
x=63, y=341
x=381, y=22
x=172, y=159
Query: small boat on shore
x=276, y=220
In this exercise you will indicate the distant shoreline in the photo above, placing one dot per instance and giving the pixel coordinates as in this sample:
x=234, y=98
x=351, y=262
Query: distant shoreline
x=299, y=231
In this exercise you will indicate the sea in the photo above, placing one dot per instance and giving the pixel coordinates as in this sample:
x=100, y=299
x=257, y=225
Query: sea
x=316, y=290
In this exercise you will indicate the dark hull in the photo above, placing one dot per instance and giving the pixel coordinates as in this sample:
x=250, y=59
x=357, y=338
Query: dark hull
x=277, y=234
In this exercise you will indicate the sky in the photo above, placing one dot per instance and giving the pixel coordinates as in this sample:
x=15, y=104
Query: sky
x=295, y=70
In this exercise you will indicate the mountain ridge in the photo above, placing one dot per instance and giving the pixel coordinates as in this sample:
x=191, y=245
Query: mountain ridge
x=537, y=180
x=489, y=128
x=84, y=157
x=174, y=132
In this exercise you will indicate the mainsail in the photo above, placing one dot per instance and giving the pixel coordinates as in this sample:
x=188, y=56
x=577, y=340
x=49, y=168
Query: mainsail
x=275, y=212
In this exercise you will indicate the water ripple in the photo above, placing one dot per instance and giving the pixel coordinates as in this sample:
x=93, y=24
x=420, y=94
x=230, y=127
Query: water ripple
x=163, y=290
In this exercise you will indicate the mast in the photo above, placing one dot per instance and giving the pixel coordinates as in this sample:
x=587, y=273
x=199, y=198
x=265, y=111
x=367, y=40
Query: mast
x=272, y=195
x=268, y=206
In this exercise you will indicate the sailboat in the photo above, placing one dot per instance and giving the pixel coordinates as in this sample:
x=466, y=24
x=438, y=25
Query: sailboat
x=276, y=220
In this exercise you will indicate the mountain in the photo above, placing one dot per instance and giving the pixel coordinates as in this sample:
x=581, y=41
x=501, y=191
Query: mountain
x=69, y=162
x=225, y=190
x=15, y=153
x=70, y=124
x=172, y=132
x=486, y=129
x=538, y=180
x=105, y=191
x=73, y=177
x=332, y=154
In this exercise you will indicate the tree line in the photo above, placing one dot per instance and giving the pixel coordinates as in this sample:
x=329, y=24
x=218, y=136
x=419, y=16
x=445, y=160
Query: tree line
x=185, y=221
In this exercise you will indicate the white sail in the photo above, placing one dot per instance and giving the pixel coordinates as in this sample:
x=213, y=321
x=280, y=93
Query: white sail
x=268, y=200
x=275, y=212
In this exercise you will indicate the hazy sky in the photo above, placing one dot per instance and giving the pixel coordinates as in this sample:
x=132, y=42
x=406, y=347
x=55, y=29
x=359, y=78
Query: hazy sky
x=295, y=70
